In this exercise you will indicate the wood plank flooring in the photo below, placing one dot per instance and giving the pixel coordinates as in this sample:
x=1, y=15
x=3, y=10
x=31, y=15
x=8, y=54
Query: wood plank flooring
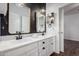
x=71, y=48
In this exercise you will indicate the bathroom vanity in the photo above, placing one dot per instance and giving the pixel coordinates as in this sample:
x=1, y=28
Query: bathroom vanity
x=22, y=21
x=29, y=46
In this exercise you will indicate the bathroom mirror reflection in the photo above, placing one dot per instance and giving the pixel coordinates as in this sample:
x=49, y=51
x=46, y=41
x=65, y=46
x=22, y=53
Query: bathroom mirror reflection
x=19, y=18
x=24, y=18
x=40, y=22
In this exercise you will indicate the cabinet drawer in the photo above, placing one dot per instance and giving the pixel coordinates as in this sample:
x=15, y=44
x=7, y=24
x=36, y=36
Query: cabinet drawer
x=42, y=51
x=21, y=50
x=42, y=43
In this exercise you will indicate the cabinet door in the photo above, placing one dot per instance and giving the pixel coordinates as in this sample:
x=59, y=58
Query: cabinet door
x=42, y=47
x=47, y=46
x=51, y=45
x=48, y=52
x=42, y=51
x=51, y=48
x=21, y=50
x=33, y=52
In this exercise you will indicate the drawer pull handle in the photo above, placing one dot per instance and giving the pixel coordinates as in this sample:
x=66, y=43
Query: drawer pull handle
x=43, y=48
x=43, y=42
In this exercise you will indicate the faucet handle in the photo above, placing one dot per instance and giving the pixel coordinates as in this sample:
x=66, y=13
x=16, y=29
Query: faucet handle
x=20, y=37
x=17, y=38
x=17, y=32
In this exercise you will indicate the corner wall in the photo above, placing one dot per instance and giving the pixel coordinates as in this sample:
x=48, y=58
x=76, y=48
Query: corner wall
x=71, y=25
x=49, y=9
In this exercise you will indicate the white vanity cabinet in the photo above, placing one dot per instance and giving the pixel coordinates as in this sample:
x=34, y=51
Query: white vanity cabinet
x=27, y=50
x=39, y=47
x=46, y=46
x=42, y=47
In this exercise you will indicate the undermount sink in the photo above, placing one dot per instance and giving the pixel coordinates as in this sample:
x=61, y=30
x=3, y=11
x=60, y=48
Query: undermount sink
x=10, y=42
x=39, y=36
x=14, y=43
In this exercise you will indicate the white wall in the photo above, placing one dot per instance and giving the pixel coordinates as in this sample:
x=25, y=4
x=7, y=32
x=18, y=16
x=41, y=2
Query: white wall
x=49, y=9
x=57, y=9
x=71, y=27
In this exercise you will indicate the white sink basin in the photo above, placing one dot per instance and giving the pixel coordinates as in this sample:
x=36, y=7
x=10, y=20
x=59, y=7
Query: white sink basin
x=14, y=43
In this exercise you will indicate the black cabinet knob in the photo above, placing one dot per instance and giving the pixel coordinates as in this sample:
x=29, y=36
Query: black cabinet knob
x=43, y=42
x=43, y=48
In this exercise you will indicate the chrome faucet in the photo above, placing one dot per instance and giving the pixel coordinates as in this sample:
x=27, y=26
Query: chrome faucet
x=19, y=35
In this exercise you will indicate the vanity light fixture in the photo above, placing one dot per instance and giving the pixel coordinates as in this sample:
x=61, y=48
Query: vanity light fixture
x=42, y=11
x=49, y=15
x=20, y=4
x=50, y=19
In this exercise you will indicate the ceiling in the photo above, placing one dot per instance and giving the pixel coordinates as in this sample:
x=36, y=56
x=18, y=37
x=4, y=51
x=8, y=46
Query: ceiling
x=72, y=8
x=57, y=5
x=69, y=8
x=32, y=5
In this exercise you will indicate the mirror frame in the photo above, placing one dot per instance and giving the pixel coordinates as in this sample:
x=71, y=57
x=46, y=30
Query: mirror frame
x=7, y=16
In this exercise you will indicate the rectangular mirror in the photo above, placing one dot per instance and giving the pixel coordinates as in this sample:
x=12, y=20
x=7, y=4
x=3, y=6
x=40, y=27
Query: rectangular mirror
x=40, y=22
x=24, y=18
x=19, y=18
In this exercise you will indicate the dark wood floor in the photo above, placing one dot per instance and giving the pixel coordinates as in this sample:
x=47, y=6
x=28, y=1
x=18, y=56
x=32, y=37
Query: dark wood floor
x=71, y=48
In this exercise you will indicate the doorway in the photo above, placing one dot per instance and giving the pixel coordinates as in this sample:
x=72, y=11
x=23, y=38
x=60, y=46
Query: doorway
x=69, y=28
